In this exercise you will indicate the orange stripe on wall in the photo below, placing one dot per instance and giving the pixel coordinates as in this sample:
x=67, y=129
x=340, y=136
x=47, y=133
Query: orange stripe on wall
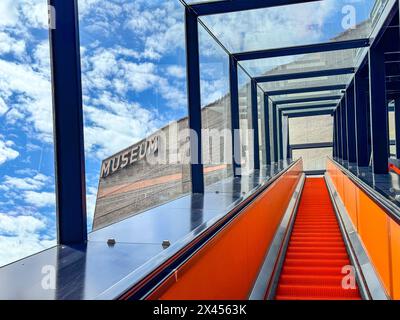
x=127, y=187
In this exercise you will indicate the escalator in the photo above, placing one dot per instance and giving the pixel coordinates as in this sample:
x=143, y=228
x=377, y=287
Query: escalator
x=316, y=259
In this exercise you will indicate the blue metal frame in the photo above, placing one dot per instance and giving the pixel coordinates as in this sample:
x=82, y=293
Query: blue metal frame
x=361, y=107
x=327, y=105
x=303, y=75
x=280, y=136
x=351, y=130
x=68, y=124
x=310, y=113
x=219, y=7
x=312, y=48
x=275, y=132
x=335, y=134
x=235, y=116
x=311, y=99
x=194, y=99
x=307, y=89
x=345, y=155
x=254, y=121
x=378, y=111
x=397, y=125
x=267, y=130
x=339, y=132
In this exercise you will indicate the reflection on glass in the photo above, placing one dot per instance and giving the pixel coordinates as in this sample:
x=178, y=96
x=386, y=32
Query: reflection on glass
x=246, y=127
x=135, y=109
x=216, y=104
x=296, y=24
x=27, y=188
x=313, y=159
x=311, y=129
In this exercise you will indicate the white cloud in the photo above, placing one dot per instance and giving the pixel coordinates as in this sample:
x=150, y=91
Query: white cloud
x=6, y=151
x=28, y=93
x=20, y=237
x=37, y=182
x=114, y=124
x=11, y=45
x=17, y=225
x=176, y=71
x=8, y=13
x=40, y=199
x=18, y=247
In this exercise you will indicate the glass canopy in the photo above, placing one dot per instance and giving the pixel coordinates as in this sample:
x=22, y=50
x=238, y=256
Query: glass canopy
x=294, y=25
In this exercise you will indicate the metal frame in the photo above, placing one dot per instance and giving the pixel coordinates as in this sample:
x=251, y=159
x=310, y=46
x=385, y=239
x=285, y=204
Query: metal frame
x=308, y=113
x=307, y=89
x=311, y=99
x=254, y=122
x=351, y=128
x=351, y=124
x=220, y=7
x=312, y=48
x=68, y=125
x=194, y=100
x=235, y=117
x=303, y=75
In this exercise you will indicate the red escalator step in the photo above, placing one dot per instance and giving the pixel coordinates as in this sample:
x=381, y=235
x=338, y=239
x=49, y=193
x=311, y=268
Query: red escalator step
x=316, y=253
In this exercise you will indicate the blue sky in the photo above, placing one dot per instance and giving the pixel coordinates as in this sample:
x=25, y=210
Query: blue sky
x=133, y=74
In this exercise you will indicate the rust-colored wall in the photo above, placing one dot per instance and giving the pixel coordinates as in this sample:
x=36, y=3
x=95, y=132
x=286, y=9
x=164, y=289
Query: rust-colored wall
x=379, y=233
x=227, y=266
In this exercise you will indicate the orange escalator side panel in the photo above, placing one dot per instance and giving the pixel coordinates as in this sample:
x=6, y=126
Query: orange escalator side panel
x=227, y=266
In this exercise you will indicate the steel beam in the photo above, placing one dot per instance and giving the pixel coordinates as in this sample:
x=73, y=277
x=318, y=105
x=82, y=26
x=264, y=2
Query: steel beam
x=361, y=107
x=267, y=130
x=327, y=105
x=68, y=124
x=344, y=129
x=194, y=100
x=275, y=132
x=297, y=50
x=339, y=133
x=397, y=125
x=304, y=75
x=378, y=111
x=307, y=89
x=311, y=113
x=351, y=121
x=254, y=121
x=311, y=99
x=280, y=137
x=305, y=146
x=235, y=116
x=220, y=7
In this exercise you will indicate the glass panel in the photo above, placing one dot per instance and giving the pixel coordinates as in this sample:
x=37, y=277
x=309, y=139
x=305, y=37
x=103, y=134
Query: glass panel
x=27, y=185
x=314, y=129
x=305, y=83
x=313, y=159
x=135, y=109
x=261, y=125
x=246, y=127
x=215, y=101
x=303, y=63
x=291, y=25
